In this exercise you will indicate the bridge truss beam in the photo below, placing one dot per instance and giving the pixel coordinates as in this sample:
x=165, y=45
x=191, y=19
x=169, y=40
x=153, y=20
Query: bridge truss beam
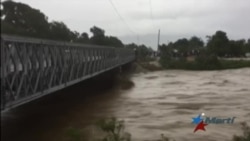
x=32, y=68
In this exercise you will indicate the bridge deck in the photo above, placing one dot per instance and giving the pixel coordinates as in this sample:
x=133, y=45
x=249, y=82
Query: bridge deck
x=32, y=68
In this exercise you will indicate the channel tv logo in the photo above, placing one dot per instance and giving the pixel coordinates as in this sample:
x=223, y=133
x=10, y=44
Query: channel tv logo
x=201, y=121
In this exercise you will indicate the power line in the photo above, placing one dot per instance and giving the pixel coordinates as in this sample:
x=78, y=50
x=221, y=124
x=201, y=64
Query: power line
x=152, y=21
x=121, y=18
x=151, y=11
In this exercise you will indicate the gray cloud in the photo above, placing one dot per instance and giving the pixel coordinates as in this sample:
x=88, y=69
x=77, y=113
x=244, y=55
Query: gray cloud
x=175, y=18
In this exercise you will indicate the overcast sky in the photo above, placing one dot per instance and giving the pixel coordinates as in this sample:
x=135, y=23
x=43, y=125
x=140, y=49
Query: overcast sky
x=142, y=18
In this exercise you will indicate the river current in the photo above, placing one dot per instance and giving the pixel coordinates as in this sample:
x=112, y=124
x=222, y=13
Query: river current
x=161, y=102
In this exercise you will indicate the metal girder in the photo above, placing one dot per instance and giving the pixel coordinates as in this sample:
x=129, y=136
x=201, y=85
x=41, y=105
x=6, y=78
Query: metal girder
x=32, y=68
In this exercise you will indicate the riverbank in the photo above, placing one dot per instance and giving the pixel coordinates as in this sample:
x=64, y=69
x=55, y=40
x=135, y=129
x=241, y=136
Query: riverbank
x=113, y=129
x=147, y=66
x=203, y=63
x=221, y=65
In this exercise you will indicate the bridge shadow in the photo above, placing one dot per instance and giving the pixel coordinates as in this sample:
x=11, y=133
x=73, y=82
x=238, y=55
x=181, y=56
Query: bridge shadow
x=52, y=110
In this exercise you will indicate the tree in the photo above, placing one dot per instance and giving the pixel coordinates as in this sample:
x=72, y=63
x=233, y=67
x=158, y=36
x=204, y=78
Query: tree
x=166, y=50
x=195, y=42
x=59, y=31
x=246, y=47
x=83, y=38
x=182, y=46
x=218, y=44
x=21, y=19
x=74, y=35
x=142, y=51
x=98, y=36
x=236, y=48
x=113, y=41
x=97, y=31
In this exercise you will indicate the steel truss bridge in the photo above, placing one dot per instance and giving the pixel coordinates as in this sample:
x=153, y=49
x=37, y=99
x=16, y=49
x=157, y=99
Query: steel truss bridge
x=32, y=68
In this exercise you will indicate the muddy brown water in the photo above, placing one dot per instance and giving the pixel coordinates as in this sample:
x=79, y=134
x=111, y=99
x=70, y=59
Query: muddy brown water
x=162, y=102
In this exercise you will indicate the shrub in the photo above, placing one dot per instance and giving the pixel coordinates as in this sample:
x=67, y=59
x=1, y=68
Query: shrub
x=246, y=133
x=74, y=134
x=207, y=62
x=114, y=130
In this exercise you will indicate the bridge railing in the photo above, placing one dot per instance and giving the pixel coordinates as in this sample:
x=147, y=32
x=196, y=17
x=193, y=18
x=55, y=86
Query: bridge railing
x=31, y=68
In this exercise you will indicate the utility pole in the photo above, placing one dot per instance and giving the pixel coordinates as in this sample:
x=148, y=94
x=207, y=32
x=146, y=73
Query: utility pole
x=158, y=43
x=137, y=40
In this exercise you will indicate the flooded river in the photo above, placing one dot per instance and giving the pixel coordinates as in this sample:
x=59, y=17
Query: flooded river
x=162, y=102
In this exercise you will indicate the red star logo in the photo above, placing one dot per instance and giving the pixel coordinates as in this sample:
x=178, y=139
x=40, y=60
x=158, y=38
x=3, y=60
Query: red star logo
x=200, y=126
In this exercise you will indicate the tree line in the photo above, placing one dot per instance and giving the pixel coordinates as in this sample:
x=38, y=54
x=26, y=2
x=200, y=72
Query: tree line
x=217, y=44
x=23, y=20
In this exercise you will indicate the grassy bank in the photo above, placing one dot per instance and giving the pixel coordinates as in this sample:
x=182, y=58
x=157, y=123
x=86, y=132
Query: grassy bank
x=112, y=129
x=203, y=63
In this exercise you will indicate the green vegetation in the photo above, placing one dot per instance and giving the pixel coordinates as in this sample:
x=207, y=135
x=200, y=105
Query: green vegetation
x=22, y=20
x=232, y=64
x=246, y=133
x=217, y=44
x=174, y=55
x=203, y=63
x=114, y=130
x=142, y=52
x=74, y=134
x=150, y=67
x=220, y=45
